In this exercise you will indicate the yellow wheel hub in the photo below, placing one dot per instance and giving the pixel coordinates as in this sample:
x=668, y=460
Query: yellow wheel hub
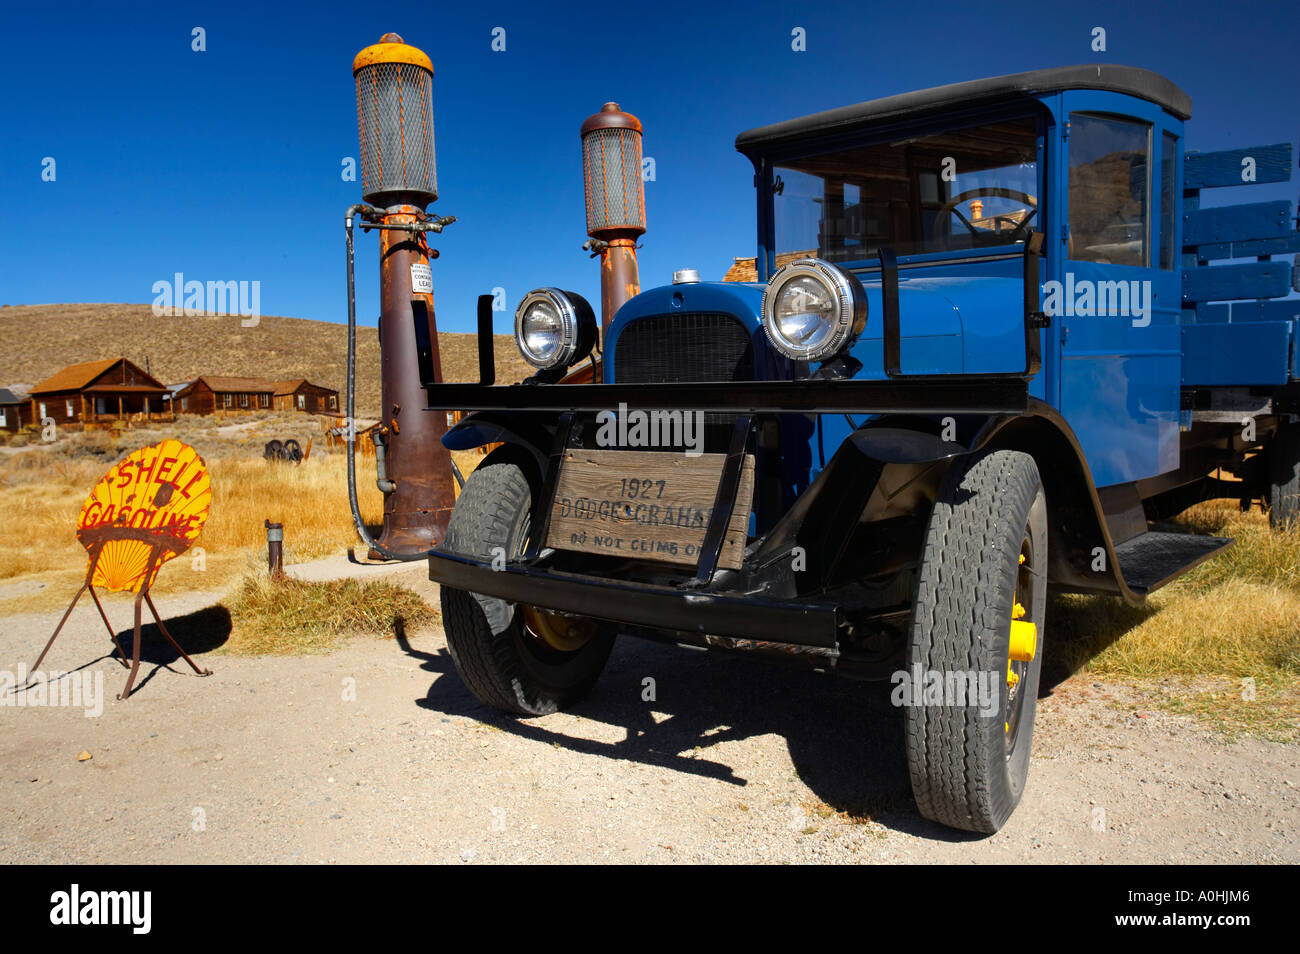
x=562, y=633
x=1024, y=638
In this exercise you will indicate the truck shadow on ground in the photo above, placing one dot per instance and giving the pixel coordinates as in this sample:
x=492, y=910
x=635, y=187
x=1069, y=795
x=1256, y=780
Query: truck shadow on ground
x=844, y=737
x=1079, y=629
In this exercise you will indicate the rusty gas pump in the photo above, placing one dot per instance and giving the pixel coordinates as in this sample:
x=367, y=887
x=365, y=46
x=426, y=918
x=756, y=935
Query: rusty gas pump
x=394, y=83
x=615, y=199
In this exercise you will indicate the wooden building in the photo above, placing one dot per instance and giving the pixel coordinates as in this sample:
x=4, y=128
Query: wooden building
x=211, y=393
x=14, y=411
x=99, y=392
x=302, y=395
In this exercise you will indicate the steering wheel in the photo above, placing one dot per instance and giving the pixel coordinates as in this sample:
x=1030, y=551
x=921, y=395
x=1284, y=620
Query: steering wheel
x=1019, y=230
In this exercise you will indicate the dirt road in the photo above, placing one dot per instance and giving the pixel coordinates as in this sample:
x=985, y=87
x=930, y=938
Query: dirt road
x=378, y=753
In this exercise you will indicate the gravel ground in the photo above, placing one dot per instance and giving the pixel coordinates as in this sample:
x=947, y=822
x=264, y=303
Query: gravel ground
x=270, y=760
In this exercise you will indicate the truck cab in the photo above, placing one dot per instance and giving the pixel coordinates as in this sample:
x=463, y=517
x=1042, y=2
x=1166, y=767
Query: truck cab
x=983, y=352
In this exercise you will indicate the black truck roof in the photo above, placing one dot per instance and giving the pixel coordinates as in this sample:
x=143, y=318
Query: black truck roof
x=1119, y=79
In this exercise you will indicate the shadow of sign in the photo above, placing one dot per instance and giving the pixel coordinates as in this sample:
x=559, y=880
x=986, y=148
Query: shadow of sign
x=198, y=632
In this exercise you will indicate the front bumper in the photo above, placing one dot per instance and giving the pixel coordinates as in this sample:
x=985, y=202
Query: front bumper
x=807, y=624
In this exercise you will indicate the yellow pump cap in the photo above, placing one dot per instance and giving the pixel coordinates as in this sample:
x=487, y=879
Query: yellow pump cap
x=391, y=48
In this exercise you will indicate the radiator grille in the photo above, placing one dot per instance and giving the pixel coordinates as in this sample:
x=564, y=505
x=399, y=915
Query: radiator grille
x=692, y=346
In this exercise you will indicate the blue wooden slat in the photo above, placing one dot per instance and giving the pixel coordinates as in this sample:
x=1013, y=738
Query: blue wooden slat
x=1256, y=352
x=1228, y=282
x=1252, y=249
x=1286, y=310
x=1205, y=170
x=1238, y=223
x=1213, y=314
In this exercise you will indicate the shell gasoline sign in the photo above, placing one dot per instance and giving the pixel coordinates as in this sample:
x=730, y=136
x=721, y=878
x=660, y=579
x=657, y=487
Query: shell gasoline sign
x=148, y=509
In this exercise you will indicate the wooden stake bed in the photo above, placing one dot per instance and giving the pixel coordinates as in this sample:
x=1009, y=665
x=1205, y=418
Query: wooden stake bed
x=645, y=505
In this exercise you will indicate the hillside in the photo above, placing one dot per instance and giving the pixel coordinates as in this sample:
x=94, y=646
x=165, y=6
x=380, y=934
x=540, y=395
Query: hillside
x=38, y=340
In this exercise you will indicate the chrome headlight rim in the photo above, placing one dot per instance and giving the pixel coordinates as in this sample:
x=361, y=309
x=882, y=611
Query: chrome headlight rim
x=577, y=327
x=847, y=323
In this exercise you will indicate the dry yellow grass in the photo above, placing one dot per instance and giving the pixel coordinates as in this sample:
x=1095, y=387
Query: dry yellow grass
x=292, y=616
x=39, y=541
x=45, y=487
x=1238, y=614
x=1230, y=623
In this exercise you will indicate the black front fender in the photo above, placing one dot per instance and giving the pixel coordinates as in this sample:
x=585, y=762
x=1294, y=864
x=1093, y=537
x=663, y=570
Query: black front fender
x=531, y=431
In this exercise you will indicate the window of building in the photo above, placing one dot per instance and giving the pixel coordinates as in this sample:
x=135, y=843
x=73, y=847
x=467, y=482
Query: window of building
x=68, y=405
x=1109, y=188
x=243, y=400
x=44, y=414
x=265, y=400
x=225, y=400
x=185, y=404
x=334, y=402
x=4, y=420
x=302, y=402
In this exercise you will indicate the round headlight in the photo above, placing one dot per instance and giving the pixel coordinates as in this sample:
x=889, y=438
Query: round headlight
x=554, y=328
x=812, y=309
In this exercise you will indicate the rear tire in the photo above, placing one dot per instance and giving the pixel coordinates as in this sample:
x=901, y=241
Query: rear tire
x=968, y=766
x=1284, y=477
x=500, y=658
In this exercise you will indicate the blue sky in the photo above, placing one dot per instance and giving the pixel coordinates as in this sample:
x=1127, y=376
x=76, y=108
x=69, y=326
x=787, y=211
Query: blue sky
x=225, y=164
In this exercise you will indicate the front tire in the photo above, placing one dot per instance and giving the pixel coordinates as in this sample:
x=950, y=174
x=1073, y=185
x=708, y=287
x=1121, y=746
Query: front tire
x=981, y=580
x=514, y=658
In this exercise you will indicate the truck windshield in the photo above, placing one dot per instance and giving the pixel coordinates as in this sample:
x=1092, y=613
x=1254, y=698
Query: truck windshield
x=965, y=188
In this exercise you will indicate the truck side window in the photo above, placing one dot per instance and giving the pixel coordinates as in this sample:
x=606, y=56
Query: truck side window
x=1109, y=172
x=1168, y=154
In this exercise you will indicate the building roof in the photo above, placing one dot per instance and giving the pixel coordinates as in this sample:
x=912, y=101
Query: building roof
x=290, y=387
x=746, y=269
x=1130, y=80
x=221, y=383
x=8, y=397
x=742, y=270
x=77, y=377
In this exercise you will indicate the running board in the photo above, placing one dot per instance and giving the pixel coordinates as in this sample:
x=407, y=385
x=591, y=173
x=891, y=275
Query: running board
x=1152, y=559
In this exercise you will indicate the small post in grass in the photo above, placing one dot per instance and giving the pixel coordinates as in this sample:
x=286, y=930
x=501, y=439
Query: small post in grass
x=275, y=549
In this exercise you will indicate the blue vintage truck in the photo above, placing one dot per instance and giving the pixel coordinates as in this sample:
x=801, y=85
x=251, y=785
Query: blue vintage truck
x=988, y=350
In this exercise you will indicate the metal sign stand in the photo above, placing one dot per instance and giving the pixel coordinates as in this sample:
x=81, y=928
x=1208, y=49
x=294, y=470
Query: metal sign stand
x=141, y=597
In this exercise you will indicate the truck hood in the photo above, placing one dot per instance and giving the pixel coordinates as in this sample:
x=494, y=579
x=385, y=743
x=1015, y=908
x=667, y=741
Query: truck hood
x=949, y=325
